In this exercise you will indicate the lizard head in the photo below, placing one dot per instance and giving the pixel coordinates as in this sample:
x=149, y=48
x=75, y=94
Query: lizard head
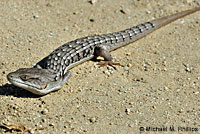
x=36, y=80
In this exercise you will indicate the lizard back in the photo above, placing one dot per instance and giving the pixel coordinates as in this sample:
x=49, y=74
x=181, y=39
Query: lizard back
x=82, y=49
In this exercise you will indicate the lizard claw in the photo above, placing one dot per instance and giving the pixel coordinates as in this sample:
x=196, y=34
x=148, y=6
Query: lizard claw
x=108, y=63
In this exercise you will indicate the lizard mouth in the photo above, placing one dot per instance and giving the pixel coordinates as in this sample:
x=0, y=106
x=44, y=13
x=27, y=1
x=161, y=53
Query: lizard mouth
x=24, y=85
x=28, y=87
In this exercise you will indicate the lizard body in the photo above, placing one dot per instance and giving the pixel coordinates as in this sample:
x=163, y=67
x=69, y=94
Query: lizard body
x=52, y=72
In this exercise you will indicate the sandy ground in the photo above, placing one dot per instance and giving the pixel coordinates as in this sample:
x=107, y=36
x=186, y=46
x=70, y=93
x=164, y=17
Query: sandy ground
x=158, y=87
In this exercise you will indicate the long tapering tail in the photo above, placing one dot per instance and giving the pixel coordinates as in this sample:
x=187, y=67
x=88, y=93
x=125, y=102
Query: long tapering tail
x=166, y=20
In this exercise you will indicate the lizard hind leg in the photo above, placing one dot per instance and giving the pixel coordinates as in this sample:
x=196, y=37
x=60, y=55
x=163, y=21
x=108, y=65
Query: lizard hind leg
x=100, y=51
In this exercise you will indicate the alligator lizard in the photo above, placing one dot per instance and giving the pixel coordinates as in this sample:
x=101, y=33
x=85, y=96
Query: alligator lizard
x=52, y=72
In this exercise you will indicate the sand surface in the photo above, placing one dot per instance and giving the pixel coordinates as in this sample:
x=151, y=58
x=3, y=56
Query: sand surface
x=159, y=85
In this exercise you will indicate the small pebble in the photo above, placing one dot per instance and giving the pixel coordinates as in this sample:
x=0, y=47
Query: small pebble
x=91, y=20
x=131, y=103
x=131, y=125
x=128, y=54
x=51, y=35
x=44, y=112
x=51, y=124
x=188, y=69
x=121, y=89
x=148, y=12
x=35, y=16
x=164, y=69
x=31, y=132
x=93, y=1
x=129, y=65
x=110, y=68
x=78, y=72
x=127, y=111
x=106, y=72
x=126, y=68
x=85, y=130
x=110, y=123
x=122, y=11
x=92, y=119
x=43, y=120
x=166, y=88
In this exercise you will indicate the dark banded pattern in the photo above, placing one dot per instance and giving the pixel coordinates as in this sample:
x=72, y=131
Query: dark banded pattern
x=74, y=52
x=60, y=59
x=52, y=72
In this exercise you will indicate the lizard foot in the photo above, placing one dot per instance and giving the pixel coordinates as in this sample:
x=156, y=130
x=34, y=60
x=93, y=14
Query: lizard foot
x=108, y=63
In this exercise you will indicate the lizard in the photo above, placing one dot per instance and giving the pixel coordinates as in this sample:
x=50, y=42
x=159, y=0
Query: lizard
x=52, y=72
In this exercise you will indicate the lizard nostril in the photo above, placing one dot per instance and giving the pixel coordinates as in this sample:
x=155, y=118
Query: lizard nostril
x=9, y=76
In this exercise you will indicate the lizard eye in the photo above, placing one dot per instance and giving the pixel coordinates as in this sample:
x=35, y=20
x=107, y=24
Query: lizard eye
x=24, y=77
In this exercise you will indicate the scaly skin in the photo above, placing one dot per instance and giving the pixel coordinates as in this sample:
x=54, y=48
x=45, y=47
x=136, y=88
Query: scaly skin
x=52, y=72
